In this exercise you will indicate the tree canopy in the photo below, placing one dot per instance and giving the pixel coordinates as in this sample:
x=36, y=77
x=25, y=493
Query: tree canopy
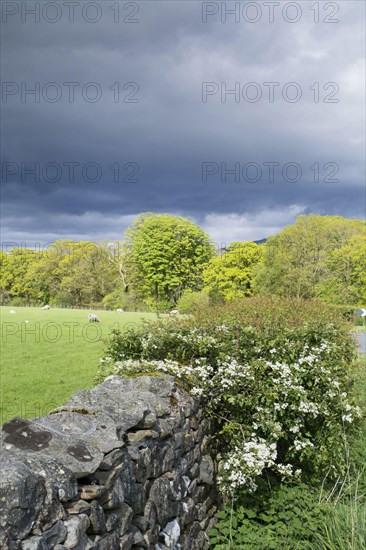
x=71, y=273
x=229, y=276
x=305, y=259
x=164, y=258
x=167, y=255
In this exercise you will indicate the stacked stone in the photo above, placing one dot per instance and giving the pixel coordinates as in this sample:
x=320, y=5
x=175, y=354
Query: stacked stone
x=124, y=465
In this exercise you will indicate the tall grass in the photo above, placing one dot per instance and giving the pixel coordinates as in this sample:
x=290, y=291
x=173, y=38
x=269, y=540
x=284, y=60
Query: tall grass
x=344, y=528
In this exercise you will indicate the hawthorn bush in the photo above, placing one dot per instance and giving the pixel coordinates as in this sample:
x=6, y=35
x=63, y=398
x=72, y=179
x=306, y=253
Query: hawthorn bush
x=275, y=374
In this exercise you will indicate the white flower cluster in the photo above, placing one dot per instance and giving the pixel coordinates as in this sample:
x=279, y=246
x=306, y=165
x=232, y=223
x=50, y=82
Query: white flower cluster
x=200, y=374
x=299, y=445
x=230, y=373
x=287, y=396
x=244, y=464
x=308, y=407
x=287, y=471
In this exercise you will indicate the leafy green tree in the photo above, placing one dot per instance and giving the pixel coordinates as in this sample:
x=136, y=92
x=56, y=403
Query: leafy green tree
x=88, y=274
x=230, y=275
x=14, y=268
x=74, y=273
x=346, y=281
x=296, y=261
x=68, y=272
x=118, y=256
x=46, y=273
x=167, y=255
x=4, y=292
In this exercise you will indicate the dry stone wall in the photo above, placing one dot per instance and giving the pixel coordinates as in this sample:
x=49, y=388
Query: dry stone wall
x=124, y=465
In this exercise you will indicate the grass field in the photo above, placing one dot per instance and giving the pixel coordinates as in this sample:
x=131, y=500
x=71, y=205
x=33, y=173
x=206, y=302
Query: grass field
x=47, y=355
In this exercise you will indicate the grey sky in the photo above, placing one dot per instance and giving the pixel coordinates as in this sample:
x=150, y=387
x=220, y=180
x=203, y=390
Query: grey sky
x=163, y=132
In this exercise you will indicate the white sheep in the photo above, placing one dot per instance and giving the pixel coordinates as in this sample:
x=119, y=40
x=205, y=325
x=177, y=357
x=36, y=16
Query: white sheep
x=119, y=310
x=12, y=311
x=93, y=318
x=45, y=307
x=174, y=312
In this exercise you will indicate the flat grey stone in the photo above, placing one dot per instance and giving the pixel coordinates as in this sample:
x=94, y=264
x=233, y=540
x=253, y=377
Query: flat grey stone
x=162, y=385
x=125, y=413
x=99, y=431
x=127, y=401
x=31, y=438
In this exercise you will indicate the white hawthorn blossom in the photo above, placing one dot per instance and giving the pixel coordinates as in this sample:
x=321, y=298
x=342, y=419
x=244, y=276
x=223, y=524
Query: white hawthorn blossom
x=282, y=411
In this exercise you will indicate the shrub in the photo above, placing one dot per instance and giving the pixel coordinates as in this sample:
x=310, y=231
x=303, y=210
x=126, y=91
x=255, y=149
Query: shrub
x=320, y=518
x=128, y=301
x=5, y=298
x=19, y=301
x=271, y=311
x=61, y=300
x=278, y=388
x=286, y=516
x=349, y=313
x=160, y=306
x=190, y=302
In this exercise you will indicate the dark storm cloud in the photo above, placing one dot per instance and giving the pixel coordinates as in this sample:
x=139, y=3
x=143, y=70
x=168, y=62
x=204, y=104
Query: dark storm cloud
x=170, y=132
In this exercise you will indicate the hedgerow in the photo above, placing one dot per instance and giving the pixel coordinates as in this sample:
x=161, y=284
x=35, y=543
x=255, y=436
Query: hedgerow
x=274, y=375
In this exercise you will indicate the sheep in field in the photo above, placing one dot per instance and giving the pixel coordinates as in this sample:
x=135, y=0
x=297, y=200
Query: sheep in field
x=119, y=310
x=93, y=318
x=45, y=307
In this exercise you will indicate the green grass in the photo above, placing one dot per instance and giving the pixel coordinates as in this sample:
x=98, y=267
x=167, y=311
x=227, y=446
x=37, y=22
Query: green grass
x=44, y=361
x=345, y=528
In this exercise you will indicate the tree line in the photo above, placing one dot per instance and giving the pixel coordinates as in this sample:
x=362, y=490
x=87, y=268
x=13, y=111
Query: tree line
x=166, y=261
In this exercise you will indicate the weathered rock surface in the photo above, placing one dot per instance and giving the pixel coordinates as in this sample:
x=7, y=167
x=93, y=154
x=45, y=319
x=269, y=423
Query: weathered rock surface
x=124, y=465
x=98, y=431
x=31, y=437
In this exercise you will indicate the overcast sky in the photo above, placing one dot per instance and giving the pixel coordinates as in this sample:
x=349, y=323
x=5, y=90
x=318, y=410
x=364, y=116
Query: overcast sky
x=147, y=116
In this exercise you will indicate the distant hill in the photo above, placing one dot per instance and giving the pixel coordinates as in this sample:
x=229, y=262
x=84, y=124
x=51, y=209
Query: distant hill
x=261, y=241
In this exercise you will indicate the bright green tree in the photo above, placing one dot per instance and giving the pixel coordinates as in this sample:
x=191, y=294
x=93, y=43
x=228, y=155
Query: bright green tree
x=46, y=273
x=296, y=261
x=14, y=268
x=88, y=273
x=4, y=293
x=229, y=276
x=73, y=273
x=167, y=255
x=346, y=280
